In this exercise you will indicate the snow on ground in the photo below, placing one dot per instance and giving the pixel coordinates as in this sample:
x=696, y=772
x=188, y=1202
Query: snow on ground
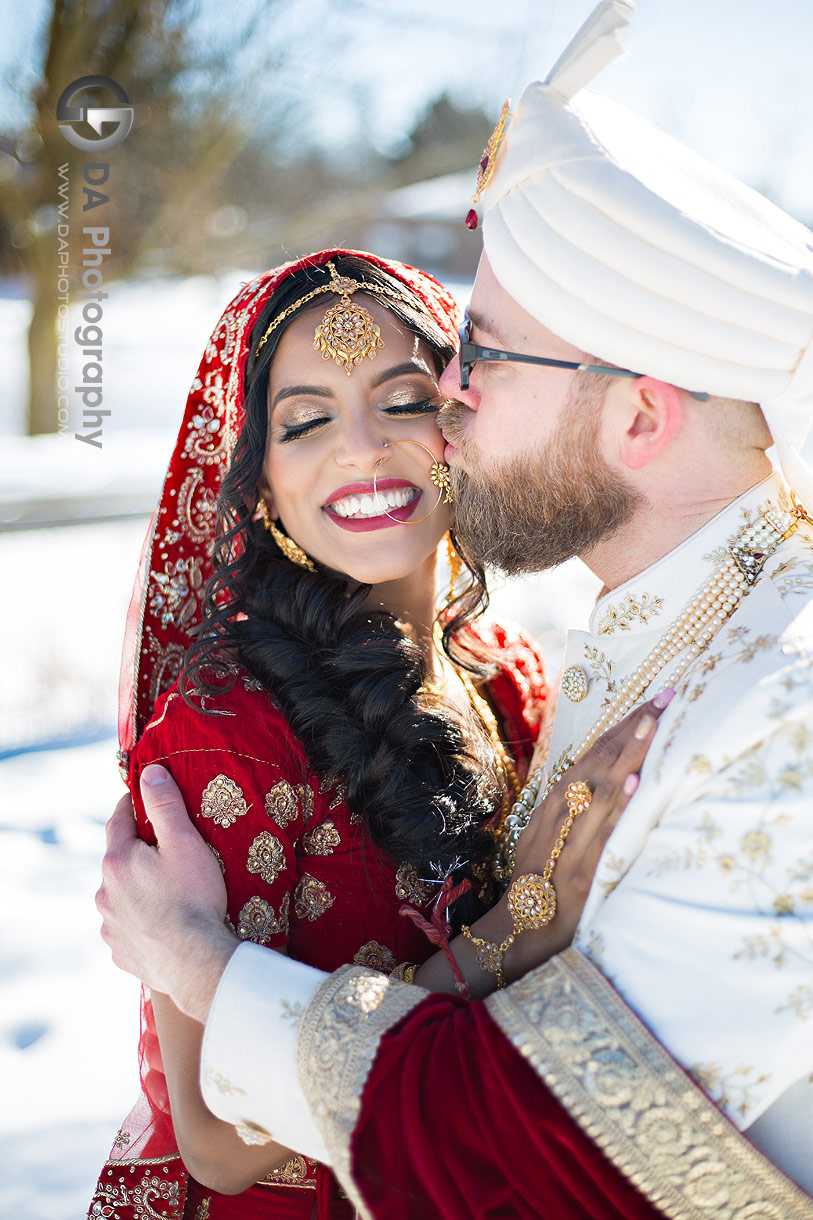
x=68, y=1018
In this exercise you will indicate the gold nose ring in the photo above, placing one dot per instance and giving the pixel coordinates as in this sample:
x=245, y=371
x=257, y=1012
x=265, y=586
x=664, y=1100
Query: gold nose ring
x=439, y=475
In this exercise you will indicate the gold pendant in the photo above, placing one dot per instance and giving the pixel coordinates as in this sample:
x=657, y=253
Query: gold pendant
x=347, y=333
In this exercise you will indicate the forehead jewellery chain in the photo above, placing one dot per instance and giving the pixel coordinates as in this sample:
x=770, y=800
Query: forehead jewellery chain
x=347, y=332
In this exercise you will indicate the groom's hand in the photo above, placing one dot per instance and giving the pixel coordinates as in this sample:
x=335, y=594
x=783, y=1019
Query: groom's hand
x=163, y=907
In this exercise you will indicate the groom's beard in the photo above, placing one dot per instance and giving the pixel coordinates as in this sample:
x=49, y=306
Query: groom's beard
x=527, y=514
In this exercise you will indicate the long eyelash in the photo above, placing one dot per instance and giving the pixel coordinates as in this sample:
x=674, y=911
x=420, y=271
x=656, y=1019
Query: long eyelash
x=424, y=407
x=290, y=433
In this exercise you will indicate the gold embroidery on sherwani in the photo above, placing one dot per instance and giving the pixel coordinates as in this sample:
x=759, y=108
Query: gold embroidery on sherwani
x=735, y=1089
x=343, y=1025
x=376, y=957
x=266, y=856
x=631, y=609
x=280, y=803
x=409, y=887
x=634, y=1102
x=321, y=840
x=223, y=800
x=253, y=1134
x=222, y=1085
x=311, y=898
x=602, y=669
x=258, y=922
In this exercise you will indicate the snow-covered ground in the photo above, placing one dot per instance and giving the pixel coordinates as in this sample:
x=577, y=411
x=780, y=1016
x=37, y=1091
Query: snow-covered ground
x=68, y=1018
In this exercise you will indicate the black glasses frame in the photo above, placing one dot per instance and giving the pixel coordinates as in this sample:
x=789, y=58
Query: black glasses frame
x=470, y=353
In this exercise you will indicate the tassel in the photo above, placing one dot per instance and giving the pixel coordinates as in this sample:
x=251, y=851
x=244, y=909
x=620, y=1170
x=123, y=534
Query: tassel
x=438, y=930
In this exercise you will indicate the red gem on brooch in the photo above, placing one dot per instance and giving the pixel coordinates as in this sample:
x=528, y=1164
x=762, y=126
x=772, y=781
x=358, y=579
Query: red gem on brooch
x=488, y=161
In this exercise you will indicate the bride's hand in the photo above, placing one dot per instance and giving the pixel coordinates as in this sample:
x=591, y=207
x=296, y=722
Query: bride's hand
x=610, y=768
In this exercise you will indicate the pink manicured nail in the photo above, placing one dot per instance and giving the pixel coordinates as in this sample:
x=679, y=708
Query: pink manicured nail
x=663, y=699
x=154, y=775
x=630, y=784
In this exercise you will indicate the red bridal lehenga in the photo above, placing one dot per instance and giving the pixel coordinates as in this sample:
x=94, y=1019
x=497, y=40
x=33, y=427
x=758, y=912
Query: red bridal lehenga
x=297, y=873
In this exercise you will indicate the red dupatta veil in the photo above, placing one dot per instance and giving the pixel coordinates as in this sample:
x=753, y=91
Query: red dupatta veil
x=144, y=1174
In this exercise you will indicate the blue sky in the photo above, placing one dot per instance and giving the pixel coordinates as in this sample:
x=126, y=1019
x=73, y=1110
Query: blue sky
x=731, y=77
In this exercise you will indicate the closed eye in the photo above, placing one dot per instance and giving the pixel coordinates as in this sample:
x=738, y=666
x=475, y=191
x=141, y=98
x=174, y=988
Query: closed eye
x=426, y=406
x=290, y=432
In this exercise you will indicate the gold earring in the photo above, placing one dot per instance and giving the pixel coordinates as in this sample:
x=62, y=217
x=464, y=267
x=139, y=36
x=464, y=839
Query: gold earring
x=287, y=545
x=455, y=565
x=439, y=474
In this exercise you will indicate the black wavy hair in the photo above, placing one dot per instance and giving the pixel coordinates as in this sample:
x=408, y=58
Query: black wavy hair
x=351, y=685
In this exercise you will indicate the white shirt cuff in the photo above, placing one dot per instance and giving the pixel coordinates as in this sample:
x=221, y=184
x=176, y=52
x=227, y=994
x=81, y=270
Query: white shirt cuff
x=248, y=1061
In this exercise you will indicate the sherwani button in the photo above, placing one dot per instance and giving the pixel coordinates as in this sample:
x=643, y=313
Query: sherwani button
x=575, y=683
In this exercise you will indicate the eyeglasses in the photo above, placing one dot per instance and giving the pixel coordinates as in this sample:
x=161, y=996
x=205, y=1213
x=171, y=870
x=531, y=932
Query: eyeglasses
x=470, y=353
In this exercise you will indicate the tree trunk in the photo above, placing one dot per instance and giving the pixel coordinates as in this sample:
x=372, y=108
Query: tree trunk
x=43, y=414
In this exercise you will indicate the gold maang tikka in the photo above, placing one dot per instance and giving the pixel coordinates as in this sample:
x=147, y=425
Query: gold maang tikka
x=347, y=332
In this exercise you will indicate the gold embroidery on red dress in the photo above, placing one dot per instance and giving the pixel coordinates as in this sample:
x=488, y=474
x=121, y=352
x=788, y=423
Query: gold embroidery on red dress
x=311, y=898
x=298, y=1171
x=305, y=795
x=223, y=801
x=259, y=923
x=281, y=804
x=336, y=785
x=145, y=1192
x=266, y=856
x=376, y=957
x=321, y=840
x=409, y=887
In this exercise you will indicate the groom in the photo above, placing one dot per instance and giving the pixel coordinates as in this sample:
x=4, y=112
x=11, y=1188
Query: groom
x=640, y=331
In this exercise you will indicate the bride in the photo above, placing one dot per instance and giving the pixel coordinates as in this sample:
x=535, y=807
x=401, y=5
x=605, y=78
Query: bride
x=349, y=754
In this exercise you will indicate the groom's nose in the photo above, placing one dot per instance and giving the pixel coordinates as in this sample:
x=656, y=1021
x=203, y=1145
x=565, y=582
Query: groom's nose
x=450, y=386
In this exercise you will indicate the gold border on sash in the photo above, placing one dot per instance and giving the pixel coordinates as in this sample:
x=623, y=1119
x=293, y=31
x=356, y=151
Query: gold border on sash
x=338, y=1042
x=633, y=1101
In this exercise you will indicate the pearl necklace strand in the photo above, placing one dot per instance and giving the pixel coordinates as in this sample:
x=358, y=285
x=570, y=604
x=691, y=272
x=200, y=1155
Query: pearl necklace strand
x=690, y=634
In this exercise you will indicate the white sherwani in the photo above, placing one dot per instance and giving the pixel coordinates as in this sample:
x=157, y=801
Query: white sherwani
x=701, y=913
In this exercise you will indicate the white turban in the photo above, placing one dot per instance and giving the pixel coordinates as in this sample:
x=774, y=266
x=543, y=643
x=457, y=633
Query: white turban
x=630, y=246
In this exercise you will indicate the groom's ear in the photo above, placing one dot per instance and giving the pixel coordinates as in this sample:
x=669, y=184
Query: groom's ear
x=650, y=414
